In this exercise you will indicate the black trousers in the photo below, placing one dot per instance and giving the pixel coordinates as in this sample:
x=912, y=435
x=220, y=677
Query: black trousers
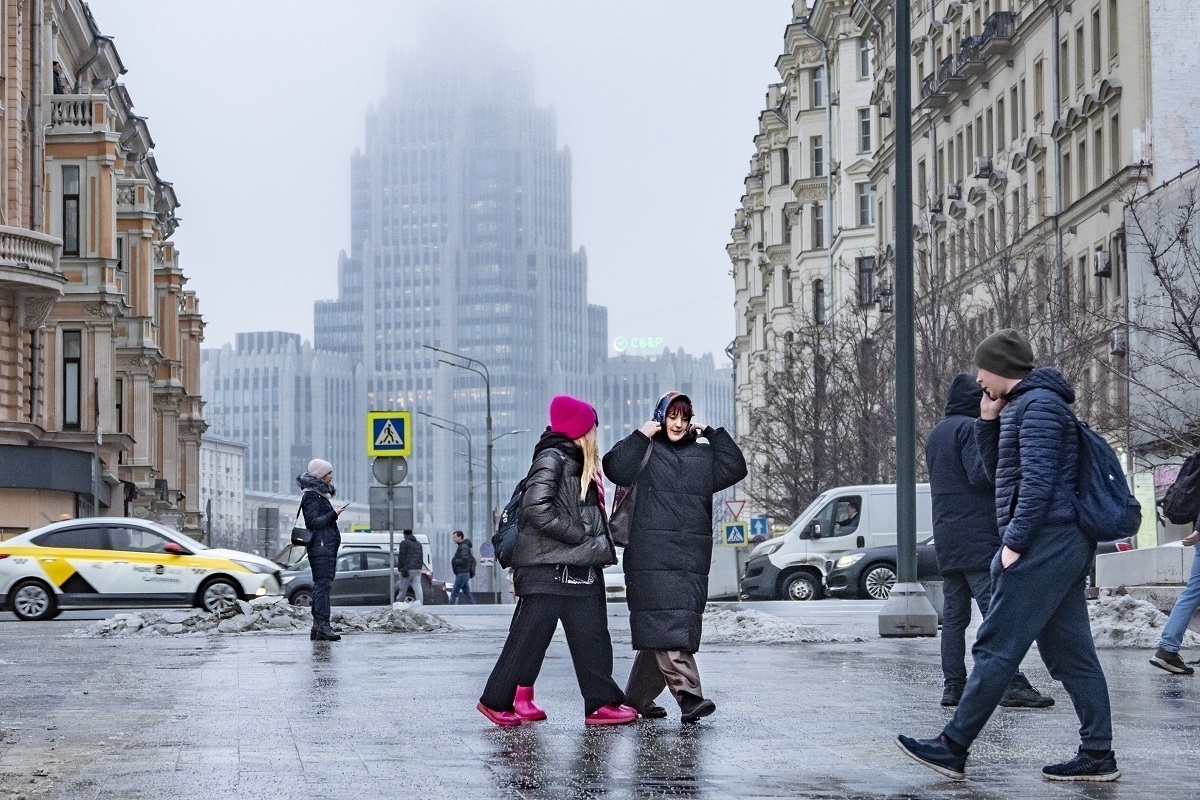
x=585, y=620
x=324, y=570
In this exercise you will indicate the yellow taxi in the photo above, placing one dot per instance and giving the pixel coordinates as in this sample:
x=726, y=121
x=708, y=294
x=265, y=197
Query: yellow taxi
x=124, y=562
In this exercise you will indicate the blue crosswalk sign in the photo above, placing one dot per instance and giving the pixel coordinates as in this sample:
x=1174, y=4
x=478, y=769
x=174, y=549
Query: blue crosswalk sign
x=758, y=529
x=734, y=534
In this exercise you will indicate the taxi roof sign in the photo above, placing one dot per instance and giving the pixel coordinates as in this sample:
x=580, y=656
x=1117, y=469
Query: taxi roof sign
x=389, y=433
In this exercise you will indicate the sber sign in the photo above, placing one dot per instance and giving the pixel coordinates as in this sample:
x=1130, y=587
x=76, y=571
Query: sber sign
x=627, y=344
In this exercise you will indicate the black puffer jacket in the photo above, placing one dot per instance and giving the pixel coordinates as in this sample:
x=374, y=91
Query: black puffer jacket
x=462, y=558
x=320, y=518
x=410, y=555
x=670, y=545
x=965, y=534
x=556, y=527
x=1032, y=453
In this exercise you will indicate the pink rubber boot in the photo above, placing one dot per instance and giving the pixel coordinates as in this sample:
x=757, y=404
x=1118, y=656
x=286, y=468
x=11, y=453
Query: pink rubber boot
x=525, y=707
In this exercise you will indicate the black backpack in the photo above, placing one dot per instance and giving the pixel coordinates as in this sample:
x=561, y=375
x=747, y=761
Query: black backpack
x=1181, y=503
x=504, y=540
x=1107, y=510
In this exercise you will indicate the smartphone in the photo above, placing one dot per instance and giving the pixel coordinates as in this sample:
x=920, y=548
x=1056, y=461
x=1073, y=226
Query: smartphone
x=343, y=508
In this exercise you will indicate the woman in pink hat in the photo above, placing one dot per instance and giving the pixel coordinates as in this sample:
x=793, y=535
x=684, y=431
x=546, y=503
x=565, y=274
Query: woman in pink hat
x=562, y=548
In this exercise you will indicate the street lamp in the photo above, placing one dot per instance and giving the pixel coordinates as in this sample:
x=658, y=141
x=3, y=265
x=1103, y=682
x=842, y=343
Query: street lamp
x=465, y=432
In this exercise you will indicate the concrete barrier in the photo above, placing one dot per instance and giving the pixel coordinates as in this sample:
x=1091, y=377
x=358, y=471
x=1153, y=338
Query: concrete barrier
x=1167, y=565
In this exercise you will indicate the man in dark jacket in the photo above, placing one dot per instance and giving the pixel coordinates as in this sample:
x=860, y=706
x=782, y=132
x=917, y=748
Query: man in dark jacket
x=463, y=565
x=1029, y=441
x=410, y=558
x=965, y=537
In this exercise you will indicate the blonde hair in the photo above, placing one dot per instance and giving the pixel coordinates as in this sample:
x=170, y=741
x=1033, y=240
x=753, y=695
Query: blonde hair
x=591, y=461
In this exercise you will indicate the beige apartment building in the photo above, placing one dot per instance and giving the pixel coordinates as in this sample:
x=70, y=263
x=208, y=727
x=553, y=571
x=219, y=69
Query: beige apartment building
x=1034, y=123
x=99, y=365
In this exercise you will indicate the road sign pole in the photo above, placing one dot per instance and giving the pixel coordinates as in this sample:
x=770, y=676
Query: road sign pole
x=392, y=543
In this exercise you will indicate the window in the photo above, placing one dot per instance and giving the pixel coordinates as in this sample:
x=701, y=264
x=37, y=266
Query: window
x=864, y=130
x=839, y=517
x=119, y=407
x=1039, y=183
x=922, y=184
x=818, y=308
x=866, y=203
x=1096, y=58
x=1001, y=127
x=785, y=228
x=75, y=538
x=864, y=57
x=1039, y=88
x=120, y=252
x=817, y=146
x=378, y=561
x=1079, y=57
x=349, y=562
x=866, y=280
x=785, y=167
x=1114, y=143
x=70, y=210
x=1066, y=179
x=1112, y=30
x=818, y=87
x=1020, y=105
x=818, y=226
x=137, y=540
x=72, y=343
x=1082, y=266
x=1098, y=155
x=1082, y=162
x=788, y=295
x=990, y=145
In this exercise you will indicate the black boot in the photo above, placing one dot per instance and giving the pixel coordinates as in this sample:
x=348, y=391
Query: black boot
x=324, y=633
x=694, y=707
x=951, y=695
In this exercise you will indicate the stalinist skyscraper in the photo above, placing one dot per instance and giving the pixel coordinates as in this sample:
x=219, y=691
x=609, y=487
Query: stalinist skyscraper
x=461, y=239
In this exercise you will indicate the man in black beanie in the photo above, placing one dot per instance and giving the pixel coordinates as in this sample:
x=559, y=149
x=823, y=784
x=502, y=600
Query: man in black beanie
x=1029, y=443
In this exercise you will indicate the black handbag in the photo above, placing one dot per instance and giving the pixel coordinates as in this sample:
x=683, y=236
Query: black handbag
x=620, y=523
x=300, y=536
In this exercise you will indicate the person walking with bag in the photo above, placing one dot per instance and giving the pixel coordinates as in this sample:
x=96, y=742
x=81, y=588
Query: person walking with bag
x=670, y=548
x=320, y=518
x=1030, y=443
x=562, y=548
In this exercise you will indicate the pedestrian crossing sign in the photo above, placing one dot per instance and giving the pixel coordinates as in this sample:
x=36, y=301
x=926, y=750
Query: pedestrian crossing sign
x=389, y=433
x=733, y=534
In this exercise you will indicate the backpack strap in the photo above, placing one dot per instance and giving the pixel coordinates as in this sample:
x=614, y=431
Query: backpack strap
x=645, y=460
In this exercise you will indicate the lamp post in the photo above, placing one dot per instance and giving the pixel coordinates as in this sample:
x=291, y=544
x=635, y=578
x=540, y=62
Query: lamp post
x=465, y=432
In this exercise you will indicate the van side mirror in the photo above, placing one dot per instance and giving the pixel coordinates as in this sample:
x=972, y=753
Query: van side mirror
x=816, y=530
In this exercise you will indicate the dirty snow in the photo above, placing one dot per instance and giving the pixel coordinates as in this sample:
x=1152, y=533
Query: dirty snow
x=264, y=615
x=746, y=626
x=1120, y=620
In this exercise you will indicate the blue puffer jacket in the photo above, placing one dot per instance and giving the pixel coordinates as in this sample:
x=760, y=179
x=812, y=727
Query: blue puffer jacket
x=1033, y=454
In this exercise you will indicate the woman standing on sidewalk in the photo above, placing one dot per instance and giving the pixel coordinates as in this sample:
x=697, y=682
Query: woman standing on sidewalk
x=320, y=517
x=670, y=548
x=562, y=548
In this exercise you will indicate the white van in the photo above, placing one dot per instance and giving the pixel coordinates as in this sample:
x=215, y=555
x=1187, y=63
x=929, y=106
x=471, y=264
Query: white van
x=792, y=566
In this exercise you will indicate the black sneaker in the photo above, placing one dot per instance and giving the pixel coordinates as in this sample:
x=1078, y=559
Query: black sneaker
x=694, y=708
x=935, y=754
x=652, y=711
x=1084, y=768
x=1025, y=697
x=1171, y=662
x=951, y=695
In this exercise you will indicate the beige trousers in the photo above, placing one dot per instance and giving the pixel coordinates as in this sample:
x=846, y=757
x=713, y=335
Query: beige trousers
x=655, y=670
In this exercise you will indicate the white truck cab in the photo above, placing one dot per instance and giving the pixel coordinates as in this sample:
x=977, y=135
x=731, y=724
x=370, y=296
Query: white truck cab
x=792, y=566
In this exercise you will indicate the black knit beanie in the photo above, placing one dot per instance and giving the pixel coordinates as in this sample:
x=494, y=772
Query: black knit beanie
x=1005, y=353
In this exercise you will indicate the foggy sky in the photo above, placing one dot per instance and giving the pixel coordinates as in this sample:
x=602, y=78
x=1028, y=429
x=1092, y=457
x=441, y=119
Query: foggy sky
x=256, y=107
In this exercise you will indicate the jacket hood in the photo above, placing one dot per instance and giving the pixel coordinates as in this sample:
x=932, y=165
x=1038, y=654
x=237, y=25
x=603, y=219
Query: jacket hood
x=557, y=441
x=660, y=410
x=963, y=398
x=308, y=481
x=1045, y=378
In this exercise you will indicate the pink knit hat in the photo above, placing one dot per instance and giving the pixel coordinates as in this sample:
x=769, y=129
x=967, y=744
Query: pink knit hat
x=571, y=417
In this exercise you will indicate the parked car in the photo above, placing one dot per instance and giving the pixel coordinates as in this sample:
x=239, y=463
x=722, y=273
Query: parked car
x=361, y=579
x=122, y=562
x=870, y=573
x=792, y=566
x=614, y=578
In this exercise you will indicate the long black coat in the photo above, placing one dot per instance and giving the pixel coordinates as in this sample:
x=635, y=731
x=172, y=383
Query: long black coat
x=965, y=533
x=670, y=545
x=320, y=518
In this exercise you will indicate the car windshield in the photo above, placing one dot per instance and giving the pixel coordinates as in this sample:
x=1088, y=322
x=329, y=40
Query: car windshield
x=176, y=536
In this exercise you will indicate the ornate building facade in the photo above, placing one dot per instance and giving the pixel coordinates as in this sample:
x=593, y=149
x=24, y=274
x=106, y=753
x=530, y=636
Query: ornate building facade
x=100, y=410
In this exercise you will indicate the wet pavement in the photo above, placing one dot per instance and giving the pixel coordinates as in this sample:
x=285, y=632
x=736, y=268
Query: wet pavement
x=392, y=716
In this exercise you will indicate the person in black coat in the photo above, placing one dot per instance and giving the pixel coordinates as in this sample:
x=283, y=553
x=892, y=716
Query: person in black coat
x=410, y=559
x=462, y=564
x=670, y=548
x=966, y=537
x=562, y=548
x=1029, y=441
x=320, y=517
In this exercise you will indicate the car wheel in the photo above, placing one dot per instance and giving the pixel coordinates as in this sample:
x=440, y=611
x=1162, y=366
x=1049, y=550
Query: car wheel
x=301, y=597
x=32, y=600
x=219, y=596
x=800, y=586
x=878, y=580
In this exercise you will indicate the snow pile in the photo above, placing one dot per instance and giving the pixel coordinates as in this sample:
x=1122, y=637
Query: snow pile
x=263, y=615
x=745, y=626
x=1126, y=621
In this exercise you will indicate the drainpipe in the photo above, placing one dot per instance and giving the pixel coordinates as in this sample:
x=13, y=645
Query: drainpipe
x=828, y=170
x=878, y=26
x=35, y=191
x=1058, y=190
x=100, y=42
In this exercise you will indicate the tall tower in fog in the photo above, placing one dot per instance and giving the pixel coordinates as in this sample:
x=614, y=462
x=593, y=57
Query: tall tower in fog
x=461, y=239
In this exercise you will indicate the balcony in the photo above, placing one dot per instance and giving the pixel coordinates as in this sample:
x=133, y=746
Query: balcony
x=998, y=31
x=29, y=269
x=971, y=60
x=79, y=113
